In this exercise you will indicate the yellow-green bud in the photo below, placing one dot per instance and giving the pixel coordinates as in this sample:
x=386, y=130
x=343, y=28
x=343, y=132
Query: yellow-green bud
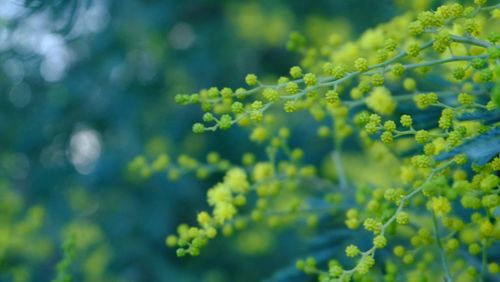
x=251, y=79
x=296, y=72
x=361, y=64
x=406, y=120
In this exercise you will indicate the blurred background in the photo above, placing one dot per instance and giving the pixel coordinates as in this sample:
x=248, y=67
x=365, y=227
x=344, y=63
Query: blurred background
x=86, y=85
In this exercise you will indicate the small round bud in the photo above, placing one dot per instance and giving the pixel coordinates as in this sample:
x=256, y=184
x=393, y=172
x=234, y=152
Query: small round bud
x=251, y=79
x=416, y=28
x=413, y=50
x=406, y=121
x=379, y=241
x=390, y=44
x=198, y=128
x=290, y=106
x=409, y=84
x=458, y=73
x=422, y=136
x=332, y=97
x=181, y=252
x=387, y=137
x=171, y=241
x=208, y=117
x=295, y=72
x=399, y=251
x=352, y=251
x=225, y=122
x=226, y=93
x=377, y=79
x=446, y=119
x=398, y=69
x=402, y=218
x=270, y=94
x=292, y=88
x=237, y=108
x=310, y=79
x=390, y=126
x=440, y=205
x=338, y=71
x=361, y=64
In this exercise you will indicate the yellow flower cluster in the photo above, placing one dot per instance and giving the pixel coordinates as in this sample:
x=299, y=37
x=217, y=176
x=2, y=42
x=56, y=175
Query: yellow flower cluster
x=439, y=68
x=224, y=198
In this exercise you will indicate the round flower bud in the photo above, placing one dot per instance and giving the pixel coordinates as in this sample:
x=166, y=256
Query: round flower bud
x=486, y=229
x=422, y=136
x=478, y=63
x=406, y=120
x=421, y=161
x=310, y=79
x=324, y=131
x=413, y=49
x=446, y=119
x=372, y=225
x=408, y=259
x=208, y=117
x=429, y=149
x=352, y=251
x=485, y=75
x=225, y=122
x=361, y=64
x=171, y=241
x=380, y=100
x=379, y=241
x=292, y=88
x=458, y=73
x=387, y=137
x=338, y=71
x=440, y=205
x=377, y=79
x=390, y=45
x=490, y=201
x=332, y=97
x=237, y=108
x=409, y=84
x=402, y=218
x=416, y=28
x=489, y=182
x=452, y=244
x=226, y=92
x=399, y=251
x=382, y=55
x=270, y=94
x=198, y=128
x=494, y=52
x=290, y=106
x=251, y=79
x=474, y=249
x=398, y=69
x=390, y=126
x=465, y=99
x=181, y=252
x=493, y=268
x=295, y=72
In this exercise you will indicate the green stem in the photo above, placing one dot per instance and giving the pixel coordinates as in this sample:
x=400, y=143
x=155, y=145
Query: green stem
x=337, y=160
x=470, y=40
x=444, y=261
x=340, y=169
x=371, y=251
x=443, y=61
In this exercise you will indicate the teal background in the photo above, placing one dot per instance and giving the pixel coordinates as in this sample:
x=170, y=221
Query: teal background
x=87, y=85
